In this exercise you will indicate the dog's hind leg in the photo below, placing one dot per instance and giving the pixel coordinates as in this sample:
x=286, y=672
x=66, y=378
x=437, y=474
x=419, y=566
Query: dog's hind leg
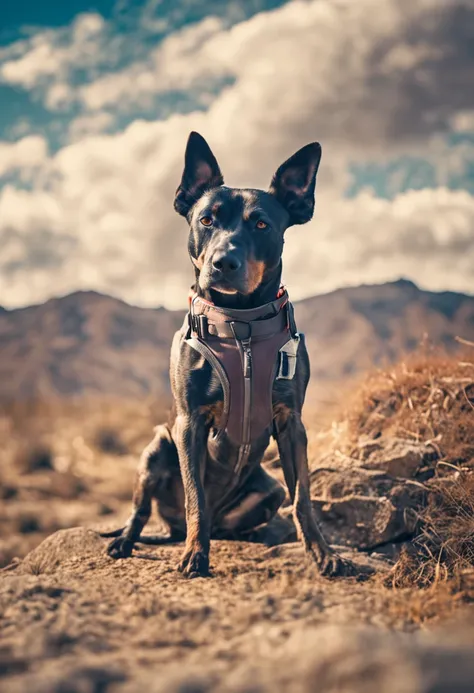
x=256, y=504
x=154, y=471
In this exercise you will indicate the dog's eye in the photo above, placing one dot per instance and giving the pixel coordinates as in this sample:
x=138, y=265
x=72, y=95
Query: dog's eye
x=261, y=224
x=206, y=221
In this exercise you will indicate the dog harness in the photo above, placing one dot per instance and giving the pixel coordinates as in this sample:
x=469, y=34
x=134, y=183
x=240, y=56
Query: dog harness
x=247, y=349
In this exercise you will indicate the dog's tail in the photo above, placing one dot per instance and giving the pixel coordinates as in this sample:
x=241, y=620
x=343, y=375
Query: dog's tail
x=153, y=539
x=113, y=533
x=157, y=539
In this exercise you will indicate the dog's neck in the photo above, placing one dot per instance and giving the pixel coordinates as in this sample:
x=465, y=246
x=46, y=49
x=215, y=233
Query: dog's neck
x=266, y=292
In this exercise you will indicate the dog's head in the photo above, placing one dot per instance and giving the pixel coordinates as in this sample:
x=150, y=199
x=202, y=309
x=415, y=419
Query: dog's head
x=236, y=235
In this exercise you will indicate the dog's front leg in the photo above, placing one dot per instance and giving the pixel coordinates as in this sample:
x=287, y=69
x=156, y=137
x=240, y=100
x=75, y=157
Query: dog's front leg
x=190, y=435
x=292, y=445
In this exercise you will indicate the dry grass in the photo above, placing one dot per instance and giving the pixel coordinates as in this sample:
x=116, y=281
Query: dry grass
x=427, y=398
x=443, y=550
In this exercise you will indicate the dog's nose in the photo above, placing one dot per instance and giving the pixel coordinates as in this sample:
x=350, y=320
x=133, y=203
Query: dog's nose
x=227, y=263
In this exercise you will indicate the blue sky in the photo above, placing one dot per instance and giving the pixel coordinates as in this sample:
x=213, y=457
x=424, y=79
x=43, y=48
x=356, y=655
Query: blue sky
x=21, y=14
x=97, y=99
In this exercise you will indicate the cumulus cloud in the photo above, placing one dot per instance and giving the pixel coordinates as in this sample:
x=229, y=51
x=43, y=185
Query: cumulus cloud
x=365, y=72
x=51, y=52
x=23, y=156
x=46, y=61
x=53, y=63
x=180, y=63
x=367, y=79
x=425, y=235
x=90, y=124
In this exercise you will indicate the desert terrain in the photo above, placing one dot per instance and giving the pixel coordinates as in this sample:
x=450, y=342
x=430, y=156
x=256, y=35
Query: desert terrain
x=392, y=459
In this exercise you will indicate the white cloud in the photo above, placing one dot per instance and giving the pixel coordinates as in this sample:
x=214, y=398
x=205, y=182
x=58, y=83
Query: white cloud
x=181, y=62
x=367, y=79
x=90, y=46
x=90, y=124
x=368, y=73
x=24, y=211
x=23, y=156
x=47, y=60
x=424, y=235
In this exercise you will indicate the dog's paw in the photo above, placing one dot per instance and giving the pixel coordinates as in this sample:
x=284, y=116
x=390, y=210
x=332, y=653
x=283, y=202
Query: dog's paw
x=194, y=564
x=331, y=565
x=120, y=548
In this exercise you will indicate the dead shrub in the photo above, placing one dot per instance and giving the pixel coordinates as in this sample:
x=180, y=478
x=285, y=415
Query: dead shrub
x=444, y=547
x=428, y=398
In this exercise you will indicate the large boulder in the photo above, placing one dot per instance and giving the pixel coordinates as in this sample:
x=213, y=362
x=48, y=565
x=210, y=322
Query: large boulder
x=396, y=457
x=369, y=498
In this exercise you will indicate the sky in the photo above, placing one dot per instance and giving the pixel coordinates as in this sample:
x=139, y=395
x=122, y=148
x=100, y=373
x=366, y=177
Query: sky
x=97, y=98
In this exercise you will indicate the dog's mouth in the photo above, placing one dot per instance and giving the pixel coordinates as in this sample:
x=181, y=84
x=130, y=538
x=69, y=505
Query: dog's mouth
x=216, y=281
x=224, y=287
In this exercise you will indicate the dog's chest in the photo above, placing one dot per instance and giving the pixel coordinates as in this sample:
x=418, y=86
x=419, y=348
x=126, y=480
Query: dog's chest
x=244, y=376
x=224, y=457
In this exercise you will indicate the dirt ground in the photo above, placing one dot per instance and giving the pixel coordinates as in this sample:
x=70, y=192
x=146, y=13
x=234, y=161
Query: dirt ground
x=72, y=620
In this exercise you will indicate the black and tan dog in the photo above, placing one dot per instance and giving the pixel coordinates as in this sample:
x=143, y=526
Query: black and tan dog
x=204, y=467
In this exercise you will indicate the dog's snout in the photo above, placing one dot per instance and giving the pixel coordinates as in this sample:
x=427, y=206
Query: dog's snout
x=227, y=263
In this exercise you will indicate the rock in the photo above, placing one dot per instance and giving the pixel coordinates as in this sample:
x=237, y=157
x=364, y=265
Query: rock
x=66, y=545
x=329, y=484
x=367, y=446
x=398, y=458
x=362, y=508
x=370, y=498
x=362, y=522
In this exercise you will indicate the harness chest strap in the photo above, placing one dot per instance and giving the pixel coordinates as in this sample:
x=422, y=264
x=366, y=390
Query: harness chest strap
x=243, y=347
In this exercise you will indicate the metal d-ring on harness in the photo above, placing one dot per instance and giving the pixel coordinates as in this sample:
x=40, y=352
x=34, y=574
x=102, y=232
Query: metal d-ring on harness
x=248, y=349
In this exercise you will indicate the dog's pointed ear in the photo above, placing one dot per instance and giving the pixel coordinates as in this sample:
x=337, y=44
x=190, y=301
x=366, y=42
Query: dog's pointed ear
x=294, y=182
x=201, y=172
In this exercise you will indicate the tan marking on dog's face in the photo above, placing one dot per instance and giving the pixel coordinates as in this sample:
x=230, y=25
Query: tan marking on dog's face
x=255, y=272
x=199, y=262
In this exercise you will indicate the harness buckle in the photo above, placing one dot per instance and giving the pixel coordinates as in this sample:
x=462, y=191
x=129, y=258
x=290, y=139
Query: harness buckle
x=201, y=321
x=288, y=355
x=198, y=324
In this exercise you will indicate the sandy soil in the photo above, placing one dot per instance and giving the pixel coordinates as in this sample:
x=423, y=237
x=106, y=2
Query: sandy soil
x=75, y=620
x=72, y=620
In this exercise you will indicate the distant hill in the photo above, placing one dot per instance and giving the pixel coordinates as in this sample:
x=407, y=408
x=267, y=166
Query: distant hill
x=88, y=343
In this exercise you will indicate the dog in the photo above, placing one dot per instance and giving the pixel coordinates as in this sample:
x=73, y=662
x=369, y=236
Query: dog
x=204, y=467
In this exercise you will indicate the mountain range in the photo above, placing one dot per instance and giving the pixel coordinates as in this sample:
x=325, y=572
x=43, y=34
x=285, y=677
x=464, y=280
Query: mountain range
x=87, y=343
